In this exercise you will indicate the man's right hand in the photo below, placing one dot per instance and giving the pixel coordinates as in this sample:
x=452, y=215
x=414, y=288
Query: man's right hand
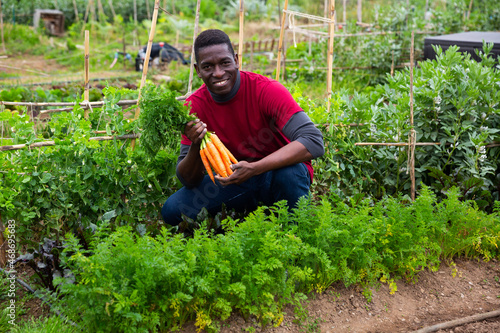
x=195, y=130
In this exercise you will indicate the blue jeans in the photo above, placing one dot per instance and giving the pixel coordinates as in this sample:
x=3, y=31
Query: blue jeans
x=289, y=183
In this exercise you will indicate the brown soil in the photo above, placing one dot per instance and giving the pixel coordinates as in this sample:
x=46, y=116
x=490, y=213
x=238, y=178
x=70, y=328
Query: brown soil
x=436, y=297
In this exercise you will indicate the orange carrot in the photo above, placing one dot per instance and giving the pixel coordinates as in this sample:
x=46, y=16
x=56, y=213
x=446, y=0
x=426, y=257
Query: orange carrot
x=219, y=165
x=223, y=152
x=209, y=156
x=206, y=163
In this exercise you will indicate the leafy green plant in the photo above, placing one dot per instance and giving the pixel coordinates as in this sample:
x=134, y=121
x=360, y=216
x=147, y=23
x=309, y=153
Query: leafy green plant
x=161, y=114
x=455, y=106
x=78, y=181
x=52, y=324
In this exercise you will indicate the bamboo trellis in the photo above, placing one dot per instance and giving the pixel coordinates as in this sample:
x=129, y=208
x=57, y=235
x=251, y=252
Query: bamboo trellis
x=331, y=27
x=411, y=136
x=52, y=143
x=191, y=65
x=146, y=60
x=86, y=91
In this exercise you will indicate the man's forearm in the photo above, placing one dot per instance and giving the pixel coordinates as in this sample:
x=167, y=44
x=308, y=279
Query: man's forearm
x=293, y=153
x=191, y=167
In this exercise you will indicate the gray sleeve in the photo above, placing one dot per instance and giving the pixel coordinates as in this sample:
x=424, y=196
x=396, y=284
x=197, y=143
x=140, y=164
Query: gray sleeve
x=300, y=128
x=182, y=154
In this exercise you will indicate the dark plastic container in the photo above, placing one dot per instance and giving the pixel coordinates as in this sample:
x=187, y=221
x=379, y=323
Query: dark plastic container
x=466, y=41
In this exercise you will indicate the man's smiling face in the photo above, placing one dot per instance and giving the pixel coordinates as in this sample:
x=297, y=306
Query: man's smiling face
x=218, y=68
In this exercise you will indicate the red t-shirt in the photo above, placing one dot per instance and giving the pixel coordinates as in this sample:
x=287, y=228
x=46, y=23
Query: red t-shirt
x=250, y=123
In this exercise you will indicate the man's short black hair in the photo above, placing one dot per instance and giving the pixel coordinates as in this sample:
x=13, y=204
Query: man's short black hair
x=211, y=37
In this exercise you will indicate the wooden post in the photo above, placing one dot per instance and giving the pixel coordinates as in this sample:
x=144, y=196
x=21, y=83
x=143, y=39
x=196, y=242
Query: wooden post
x=191, y=70
x=280, y=44
x=330, y=54
x=75, y=8
x=146, y=62
x=344, y=11
x=92, y=10
x=100, y=10
x=360, y=11
x=240, y=46
x=124, y=50
x=1, y=27
x=470, y=8
x=86, y=15
x=412, y=138
x=136, y=38
x=147, y=9
x=86, y=86
x=110, y=3
x=392, y=63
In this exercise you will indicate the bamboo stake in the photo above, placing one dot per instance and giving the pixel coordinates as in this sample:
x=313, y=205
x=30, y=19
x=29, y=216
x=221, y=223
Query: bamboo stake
x=82, y=104
x=395, y=144
x=470, y=8
x=195, y=33
x=240, y=46
x=146, y=61
x=147, y=9
x=86, y=91
x=413, y=135
x=360, y=11
x=100, y=9
x=330, y=54
x=91, y=104
x=1, y=26
x=75, y=8
x=136, y=38
x=92, y=11
x=280, y=44
x=457, y=322
x=110, y=3
x=52, y=143
x=344, y=11
x=87, y=10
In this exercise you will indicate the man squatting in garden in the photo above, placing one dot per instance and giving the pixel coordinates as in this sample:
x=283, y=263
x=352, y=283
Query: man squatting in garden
x=258, y=120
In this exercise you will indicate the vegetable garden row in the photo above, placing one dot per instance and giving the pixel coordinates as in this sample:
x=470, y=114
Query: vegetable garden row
x=94, y=205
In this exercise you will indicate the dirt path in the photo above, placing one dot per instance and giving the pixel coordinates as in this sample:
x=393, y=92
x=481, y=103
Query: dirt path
x=27, y=70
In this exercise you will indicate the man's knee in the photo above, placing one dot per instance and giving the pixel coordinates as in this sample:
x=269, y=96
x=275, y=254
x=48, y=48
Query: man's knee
x=291, y=183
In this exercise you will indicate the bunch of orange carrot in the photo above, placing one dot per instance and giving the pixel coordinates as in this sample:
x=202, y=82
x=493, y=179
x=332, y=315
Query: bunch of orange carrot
x=216, y=156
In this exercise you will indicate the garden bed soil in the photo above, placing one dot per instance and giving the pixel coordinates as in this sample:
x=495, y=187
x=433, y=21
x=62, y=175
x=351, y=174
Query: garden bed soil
x=436, y=297
x=471, y=287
